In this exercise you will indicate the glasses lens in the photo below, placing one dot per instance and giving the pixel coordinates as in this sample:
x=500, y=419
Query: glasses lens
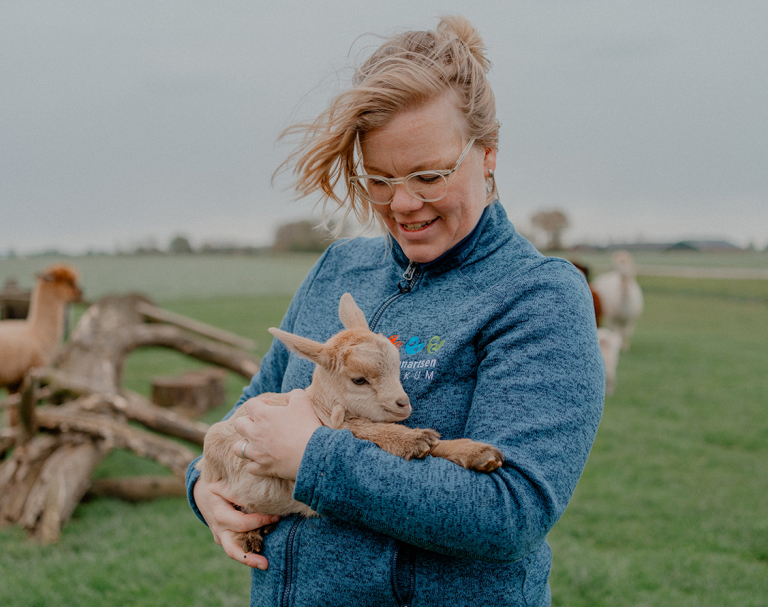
x=427, y=186
x=375, y=190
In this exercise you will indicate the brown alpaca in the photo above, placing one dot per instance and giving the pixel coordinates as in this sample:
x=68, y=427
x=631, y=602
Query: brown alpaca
x=33, y=342
x=355, y=385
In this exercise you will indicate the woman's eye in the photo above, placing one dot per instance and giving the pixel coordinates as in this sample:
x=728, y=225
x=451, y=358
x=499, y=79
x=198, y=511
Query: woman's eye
x=430, y=178
x=360, y=381
x=377, y=183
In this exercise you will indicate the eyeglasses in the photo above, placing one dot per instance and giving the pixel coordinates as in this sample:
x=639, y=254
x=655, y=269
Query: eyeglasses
x=428, y=186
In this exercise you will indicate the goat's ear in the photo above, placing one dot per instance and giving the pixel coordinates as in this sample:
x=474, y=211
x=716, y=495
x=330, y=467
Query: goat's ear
x=303, y=346
x=351, y=316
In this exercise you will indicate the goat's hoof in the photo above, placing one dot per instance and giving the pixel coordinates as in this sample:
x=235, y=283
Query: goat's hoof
x=487, y=459
x=425, y=441
x=251, y=541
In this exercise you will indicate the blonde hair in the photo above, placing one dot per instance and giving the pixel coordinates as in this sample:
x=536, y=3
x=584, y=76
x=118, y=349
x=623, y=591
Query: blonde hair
x=407, y=70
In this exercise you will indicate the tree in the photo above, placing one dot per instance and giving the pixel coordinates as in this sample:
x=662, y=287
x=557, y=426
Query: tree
x=553, y=223
x=180, y=245
x=301, y=236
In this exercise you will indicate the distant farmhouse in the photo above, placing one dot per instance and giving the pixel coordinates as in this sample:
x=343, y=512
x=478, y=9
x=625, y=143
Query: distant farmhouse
x=707, y=246
x=704, y=246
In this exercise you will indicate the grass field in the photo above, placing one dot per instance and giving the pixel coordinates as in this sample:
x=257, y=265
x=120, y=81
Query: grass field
x=670, y=510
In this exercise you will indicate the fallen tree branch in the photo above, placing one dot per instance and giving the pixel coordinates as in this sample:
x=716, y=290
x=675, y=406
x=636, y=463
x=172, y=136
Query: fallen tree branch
x=170, y=454
x=130, y=404
x=184, y=322
x=172, y=337
x=138, y=488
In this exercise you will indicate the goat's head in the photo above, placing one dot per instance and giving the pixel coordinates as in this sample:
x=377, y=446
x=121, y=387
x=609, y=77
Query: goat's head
x=63, y=279
x=357, y=370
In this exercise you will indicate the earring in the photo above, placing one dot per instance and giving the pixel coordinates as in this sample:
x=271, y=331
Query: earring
x=489, y=186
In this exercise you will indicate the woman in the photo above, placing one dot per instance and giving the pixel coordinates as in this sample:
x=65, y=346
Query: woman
x=497, y=343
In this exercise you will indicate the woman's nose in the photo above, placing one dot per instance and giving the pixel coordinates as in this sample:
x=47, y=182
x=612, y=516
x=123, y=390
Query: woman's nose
x=403, y=201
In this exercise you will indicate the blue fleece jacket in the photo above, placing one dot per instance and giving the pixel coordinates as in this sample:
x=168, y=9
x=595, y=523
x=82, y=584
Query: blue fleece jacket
x=498, y=344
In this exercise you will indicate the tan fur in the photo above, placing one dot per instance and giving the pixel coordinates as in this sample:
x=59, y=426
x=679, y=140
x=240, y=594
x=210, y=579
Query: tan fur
x=367, y=410
x=25, y=344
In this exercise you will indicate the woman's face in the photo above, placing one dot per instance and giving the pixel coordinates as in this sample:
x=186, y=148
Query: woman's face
x=428, y=137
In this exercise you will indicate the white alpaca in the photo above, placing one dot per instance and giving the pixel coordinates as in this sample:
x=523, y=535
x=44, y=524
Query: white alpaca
x=621, y=299
x=610, y=345
x=355, y=385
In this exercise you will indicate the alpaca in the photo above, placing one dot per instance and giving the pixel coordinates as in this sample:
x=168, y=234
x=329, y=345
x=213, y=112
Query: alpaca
x=610, y=345
x=355, y=385
x=620, y=296
x=33, y=342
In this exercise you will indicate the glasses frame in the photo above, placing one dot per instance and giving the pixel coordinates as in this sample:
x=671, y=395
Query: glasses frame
x=355, y=180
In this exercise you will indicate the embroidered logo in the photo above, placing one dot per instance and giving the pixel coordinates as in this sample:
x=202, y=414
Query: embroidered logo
x=418, y=369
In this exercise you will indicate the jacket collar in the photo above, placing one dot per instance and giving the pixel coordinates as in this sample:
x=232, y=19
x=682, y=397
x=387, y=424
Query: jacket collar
x=484, y=232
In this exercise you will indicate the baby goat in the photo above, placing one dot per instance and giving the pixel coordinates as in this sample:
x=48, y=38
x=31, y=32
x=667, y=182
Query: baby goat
x=355, y=385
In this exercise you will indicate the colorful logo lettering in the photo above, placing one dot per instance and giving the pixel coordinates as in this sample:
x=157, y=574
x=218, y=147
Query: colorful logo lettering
x=435, y=344
x=414, y=345
x=395, y=341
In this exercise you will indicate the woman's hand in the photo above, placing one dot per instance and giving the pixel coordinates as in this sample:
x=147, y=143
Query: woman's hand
x=225, y=521
x=277, y=436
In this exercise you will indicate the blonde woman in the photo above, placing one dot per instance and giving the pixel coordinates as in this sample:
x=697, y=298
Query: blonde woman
x=497, y=343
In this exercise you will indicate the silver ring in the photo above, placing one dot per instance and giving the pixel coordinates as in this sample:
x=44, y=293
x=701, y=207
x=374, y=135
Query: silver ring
x=242, y=451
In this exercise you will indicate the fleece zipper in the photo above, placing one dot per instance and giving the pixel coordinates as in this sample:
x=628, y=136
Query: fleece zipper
x=410, y=277
x=289, y=563
x=403, y=574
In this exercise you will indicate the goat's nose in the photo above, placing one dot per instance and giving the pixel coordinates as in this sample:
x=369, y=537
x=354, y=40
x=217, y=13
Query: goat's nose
x=403, y=402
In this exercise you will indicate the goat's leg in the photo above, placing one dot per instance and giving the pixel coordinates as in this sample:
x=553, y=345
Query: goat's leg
x=469, y=454
x=253, y=541
x=395, y=439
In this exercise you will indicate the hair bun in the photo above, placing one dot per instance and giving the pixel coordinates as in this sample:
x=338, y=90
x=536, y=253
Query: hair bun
x=459, y=27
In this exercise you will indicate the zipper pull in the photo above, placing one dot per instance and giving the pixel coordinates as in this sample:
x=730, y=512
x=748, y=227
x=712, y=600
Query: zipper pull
x=407, y=276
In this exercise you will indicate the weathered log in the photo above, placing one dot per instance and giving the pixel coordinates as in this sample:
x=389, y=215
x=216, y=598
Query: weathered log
x=14, y=400
x=43, y=480
x=27, y=406
x=184, y=322
x=138, y=408
x=192, y=393
x=63, y=481
x=170, y=454
x=8, y=438
x=138, y=488
x=129, y=404
x=19, y=474
x=172, y=337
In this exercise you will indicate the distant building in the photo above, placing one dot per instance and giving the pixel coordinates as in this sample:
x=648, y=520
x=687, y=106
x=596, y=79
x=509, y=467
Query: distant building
x=708, y=246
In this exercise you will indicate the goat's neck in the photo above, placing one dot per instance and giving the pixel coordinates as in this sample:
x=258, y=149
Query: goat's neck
x=46, y=314
x=325, y=400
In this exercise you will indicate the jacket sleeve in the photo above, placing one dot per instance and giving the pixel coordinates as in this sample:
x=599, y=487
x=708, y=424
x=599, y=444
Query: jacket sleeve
x=270, y=375
x=538, y=398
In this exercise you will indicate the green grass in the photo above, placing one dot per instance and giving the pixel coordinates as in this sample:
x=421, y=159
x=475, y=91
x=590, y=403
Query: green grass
x=670, y=509
x=174, y=277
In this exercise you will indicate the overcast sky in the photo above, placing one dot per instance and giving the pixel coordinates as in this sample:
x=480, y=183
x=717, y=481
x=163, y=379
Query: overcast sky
x=126, y=122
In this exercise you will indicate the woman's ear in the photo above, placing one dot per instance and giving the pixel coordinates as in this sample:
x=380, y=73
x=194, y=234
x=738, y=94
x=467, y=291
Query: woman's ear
x=489, y=162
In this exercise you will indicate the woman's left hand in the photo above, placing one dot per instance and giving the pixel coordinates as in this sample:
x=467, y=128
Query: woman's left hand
x=277, y=436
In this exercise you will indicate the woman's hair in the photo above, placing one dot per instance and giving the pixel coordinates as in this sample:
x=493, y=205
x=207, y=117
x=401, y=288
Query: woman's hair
x=409, y=69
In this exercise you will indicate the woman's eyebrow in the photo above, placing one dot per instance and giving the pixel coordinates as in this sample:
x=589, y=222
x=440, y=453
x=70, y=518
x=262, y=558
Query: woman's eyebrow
x=430, y=165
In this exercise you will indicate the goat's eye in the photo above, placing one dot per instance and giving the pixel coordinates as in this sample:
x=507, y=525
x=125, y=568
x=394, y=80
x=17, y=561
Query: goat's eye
x=360, y=381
